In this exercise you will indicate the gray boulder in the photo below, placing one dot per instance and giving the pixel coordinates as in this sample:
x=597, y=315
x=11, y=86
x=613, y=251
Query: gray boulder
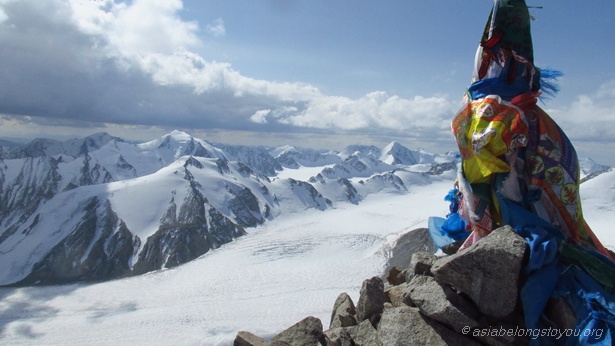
x=364, y=334
x=406, y=326
x=396, y=276
x=338, y=337
x=487, y=272
x=394, y=295
x=307, y=332
x=371, y=300
x=441, y=303
x=344, y=312
x=244, y=338
x=414, y=241
x=420, y=264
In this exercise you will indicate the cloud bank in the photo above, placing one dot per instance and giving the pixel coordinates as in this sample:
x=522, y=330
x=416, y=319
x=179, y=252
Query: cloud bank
x=136, y=63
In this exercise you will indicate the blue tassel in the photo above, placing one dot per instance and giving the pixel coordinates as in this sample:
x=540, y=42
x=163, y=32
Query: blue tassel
x=548, y=82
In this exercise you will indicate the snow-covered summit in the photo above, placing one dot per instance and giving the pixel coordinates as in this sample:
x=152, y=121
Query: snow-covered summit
x=292, y=157
x=100, y=207
x=589, y=167
x=361, y=151
x=395, y=153
x=177, y=144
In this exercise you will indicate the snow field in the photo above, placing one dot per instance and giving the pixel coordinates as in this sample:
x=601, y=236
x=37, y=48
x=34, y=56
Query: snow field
x=280, y=273
x=290, y=268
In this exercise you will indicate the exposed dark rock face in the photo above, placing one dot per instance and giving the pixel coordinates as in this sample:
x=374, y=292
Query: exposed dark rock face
x=101, y=247
x=101, y=241
x=197, y=229
x=433, y=306
x=352, y=194
x=36, y=182
x=258, y=158
x=245, y=207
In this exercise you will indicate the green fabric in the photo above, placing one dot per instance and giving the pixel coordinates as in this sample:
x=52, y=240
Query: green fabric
x=597, y=269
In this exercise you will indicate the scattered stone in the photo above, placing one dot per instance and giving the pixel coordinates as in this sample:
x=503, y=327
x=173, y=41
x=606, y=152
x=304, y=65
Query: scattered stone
x=371, y=299
x=487, y=272
x=441, y=303
x=307, y=332
x=406, y=326
x=468, y=293
x=394, y=295
x=413, y=241
x=338, y=337
x=365, y=334
x=420, y=264
x=244, y=338
x=344, y=312
x=409, y=287
x=396, y=276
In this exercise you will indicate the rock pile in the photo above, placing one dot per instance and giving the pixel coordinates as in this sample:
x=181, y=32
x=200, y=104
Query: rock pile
x=468, y=298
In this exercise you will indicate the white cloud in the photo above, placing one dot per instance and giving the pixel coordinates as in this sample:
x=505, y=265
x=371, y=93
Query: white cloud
x=607, y=90
x=149, y=35
x=590, y=116
x=136, y=63
x=260, y=116
x=134, y=31
x=216, y=28
x=376, y=110
x=3, y=15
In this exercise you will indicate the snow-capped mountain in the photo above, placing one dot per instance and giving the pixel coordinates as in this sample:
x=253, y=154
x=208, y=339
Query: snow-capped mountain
x=291, y=157
x=590, y=168
x=396, y=153
x=100, y=207
x=322, y=236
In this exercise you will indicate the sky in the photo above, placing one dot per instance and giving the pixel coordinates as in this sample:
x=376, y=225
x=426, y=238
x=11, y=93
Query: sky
x=310, y=73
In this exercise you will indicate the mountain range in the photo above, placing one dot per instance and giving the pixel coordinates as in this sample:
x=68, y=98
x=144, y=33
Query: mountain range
x=100, y=207
x=329, y=220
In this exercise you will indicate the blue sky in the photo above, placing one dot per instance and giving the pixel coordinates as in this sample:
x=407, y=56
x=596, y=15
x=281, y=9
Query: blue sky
x=304, y=72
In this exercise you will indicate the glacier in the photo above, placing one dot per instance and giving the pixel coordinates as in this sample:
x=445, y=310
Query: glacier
x=288, y=266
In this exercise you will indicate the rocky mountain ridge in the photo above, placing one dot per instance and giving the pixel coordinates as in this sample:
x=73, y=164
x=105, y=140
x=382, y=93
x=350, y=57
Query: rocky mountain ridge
x=100, y=207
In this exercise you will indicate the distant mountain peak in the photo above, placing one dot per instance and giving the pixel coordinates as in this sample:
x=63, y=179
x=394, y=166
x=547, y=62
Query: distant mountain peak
x=362, y=151
x=395, y=153
x=179, y=135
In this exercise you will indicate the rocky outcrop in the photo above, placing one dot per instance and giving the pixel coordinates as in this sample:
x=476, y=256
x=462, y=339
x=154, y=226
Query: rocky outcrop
x=453, y=300
x=100, y=248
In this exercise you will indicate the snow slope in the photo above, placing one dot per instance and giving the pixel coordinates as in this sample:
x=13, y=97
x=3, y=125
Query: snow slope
x=598, y=198
x=280, y=273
